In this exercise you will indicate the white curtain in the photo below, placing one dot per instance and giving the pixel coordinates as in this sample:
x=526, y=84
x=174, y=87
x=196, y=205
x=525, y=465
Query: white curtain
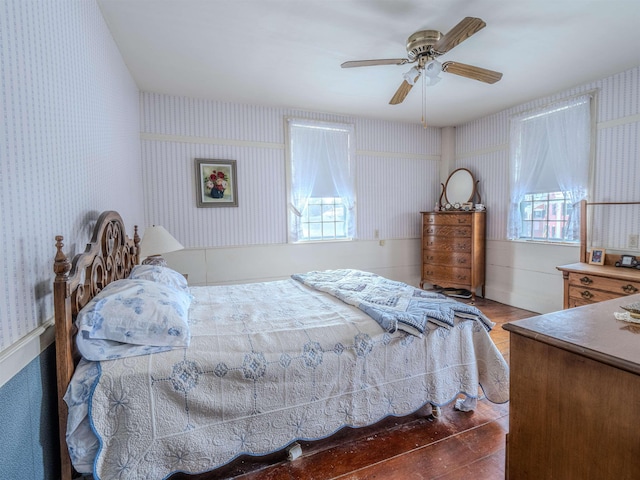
x=322, y=166
x=550, y=151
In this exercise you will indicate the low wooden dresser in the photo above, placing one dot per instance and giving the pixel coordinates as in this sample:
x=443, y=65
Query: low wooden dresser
x=453, y=249
x=574, y=387
x=585, y=284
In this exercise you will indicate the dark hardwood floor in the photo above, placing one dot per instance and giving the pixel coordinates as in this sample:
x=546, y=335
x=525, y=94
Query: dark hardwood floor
x=457, y=445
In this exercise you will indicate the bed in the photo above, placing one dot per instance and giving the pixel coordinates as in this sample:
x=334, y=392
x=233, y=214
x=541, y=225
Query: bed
x=201, y=375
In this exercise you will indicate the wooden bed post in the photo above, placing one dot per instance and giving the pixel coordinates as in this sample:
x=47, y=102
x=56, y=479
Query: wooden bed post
x=64, y=347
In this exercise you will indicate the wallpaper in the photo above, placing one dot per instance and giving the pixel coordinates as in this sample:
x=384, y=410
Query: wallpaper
x=396, y=171
x=69, y=146
x=482, y=146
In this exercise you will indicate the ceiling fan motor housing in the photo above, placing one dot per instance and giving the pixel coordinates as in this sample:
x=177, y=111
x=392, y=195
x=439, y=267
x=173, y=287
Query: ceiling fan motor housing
x=421, y=43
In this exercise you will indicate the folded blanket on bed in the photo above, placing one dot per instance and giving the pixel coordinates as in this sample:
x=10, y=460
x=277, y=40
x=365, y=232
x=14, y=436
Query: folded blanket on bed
x=394, y=305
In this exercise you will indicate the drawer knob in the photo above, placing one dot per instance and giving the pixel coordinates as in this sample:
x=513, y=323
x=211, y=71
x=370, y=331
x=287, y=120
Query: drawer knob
x=586, y=294
x=586, y=280
x=629, y=289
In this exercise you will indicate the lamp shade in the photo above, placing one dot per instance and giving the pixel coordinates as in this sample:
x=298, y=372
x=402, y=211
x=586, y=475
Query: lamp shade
x=156, y=241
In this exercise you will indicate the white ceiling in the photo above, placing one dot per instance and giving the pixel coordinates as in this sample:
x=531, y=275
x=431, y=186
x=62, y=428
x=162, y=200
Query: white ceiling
x=288, y=52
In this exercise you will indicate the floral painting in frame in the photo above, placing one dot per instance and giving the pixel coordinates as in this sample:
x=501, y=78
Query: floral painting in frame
x=216, y=183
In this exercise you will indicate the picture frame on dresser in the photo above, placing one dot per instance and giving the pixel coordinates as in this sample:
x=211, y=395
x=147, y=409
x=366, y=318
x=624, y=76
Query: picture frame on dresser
x=596, y=256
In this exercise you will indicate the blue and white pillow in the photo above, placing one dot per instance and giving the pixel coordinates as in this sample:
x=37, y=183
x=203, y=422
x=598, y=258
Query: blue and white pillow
x=164, y=275
x=96, y=349
x=134, y=312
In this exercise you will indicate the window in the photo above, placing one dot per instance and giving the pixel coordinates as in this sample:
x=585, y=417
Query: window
x=550, y=160
x=321, y=181
x=545, y=216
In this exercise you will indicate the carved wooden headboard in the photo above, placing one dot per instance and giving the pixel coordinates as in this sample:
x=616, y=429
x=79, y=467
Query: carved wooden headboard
x=109, y=256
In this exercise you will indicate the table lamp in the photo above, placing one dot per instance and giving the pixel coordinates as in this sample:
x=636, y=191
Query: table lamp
x=156, y=241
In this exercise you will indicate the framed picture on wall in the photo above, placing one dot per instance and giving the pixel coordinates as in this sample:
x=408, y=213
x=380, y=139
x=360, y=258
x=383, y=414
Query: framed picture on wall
x=216, y=183
x=596, y=256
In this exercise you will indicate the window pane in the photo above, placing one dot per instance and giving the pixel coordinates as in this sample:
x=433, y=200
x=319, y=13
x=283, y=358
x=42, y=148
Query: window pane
x=315, y=230
x=539, y=230
x=539, y=210
x=328, y=213
x=315, y=213
x=328, y=230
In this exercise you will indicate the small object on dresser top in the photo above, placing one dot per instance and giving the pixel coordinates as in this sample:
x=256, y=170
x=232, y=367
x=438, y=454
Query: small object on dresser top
x=627, y=317
x=633, y=309
x=628, y=261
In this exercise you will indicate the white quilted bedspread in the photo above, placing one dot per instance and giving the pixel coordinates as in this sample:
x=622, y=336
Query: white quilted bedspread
x=270, y=363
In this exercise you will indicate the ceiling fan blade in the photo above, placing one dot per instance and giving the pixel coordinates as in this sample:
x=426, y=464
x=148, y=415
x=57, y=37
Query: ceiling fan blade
x=463, y=30
x=469, y=71
x=401, y=93
x=368, y=63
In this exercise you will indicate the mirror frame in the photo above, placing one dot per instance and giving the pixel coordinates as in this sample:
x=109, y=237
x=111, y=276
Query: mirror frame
x=447, y=187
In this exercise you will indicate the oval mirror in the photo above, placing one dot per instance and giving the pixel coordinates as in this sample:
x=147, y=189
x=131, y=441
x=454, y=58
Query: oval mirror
x=460, y=187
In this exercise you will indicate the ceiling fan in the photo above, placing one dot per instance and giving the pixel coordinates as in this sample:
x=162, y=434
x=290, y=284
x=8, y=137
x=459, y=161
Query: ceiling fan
x=424, y=46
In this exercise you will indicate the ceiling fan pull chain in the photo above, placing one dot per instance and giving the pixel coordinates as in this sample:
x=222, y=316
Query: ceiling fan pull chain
x=424, y=101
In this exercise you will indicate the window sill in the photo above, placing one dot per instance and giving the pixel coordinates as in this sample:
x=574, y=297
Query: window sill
x=329, y=240
x=543, y=242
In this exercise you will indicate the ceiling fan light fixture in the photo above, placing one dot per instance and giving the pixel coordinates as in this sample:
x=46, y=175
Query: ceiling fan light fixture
x=411, y=76
x=433, y=69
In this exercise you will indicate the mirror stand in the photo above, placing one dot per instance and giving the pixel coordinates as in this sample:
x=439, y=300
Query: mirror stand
x=459, y=191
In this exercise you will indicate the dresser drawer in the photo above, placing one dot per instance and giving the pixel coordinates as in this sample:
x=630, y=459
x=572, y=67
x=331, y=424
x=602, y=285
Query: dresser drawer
x=590, y=295
x=446, y=244
x=618, y=287
x=443, y=275
x=437, y=257
x=578, y=302
x=447, y=219
x=447, y=230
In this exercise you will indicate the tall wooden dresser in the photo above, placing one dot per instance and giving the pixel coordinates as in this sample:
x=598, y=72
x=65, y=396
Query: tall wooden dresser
x=453, y=249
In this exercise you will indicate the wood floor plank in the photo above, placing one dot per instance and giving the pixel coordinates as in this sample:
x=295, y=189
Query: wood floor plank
x=441, y=458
